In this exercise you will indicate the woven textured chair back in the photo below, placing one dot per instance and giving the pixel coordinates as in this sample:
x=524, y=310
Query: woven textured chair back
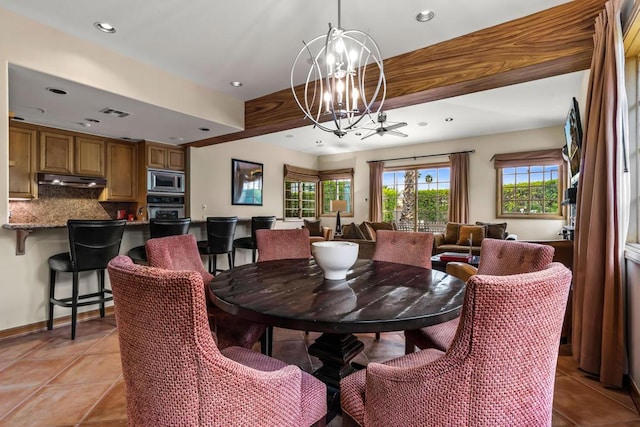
x=509, y=335
x=504, y=257
x=283, y=244
x=93, y=243
x=177, y=253
x=159, y=227
x=404, y=247
x=500, y=368
x=163, y=329
x=220, y=233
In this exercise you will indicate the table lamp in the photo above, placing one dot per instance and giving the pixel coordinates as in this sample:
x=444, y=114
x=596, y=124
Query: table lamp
x=337, y=206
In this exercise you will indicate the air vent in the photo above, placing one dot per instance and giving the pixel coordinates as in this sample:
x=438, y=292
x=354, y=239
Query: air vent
x=114, y=112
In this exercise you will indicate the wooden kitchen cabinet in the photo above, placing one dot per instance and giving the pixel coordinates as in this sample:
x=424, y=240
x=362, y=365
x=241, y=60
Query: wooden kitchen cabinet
x=122, y=172
x=89, y=156
x=165, y=157
x=66, y=154
x=56, y=153
x=22, y=163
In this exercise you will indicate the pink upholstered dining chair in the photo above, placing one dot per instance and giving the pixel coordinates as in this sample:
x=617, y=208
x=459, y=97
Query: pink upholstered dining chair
x=498, y=258
x=404, y=247
x=499, y=370
x=175, y=375
x=282, y=244
x=181, y=253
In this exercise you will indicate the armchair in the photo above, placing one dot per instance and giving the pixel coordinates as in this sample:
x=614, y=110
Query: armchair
x=499, y=370
x=175, y=375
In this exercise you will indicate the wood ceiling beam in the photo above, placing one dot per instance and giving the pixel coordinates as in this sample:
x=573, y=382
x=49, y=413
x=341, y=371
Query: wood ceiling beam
x=548, y=43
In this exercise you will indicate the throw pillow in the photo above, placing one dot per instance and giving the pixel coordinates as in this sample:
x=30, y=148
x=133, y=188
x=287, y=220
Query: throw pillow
x=495, y=230
x=352, y=231
x=451, y=233
x=477, y=232
x=382, y=225
x=314, y=227
x=368, y=230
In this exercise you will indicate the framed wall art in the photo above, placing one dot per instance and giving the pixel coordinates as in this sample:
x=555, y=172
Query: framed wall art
x=246, y=182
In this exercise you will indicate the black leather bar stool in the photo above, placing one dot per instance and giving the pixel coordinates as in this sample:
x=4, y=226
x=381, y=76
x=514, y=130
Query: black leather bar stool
x=160, y=227
x=92, y=244
x=220, y=233
x=257, y=223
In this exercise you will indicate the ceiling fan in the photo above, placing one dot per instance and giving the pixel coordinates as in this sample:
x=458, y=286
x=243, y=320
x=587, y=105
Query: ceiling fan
x=389, y=129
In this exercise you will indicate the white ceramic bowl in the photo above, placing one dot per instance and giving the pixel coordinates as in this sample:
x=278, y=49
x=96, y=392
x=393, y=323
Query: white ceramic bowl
x=335, y=258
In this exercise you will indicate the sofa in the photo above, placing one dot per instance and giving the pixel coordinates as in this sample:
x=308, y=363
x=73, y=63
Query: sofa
x=458, y=237
x=364, y=235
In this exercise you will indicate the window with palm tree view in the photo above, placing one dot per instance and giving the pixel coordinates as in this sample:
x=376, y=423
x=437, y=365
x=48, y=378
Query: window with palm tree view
x=416, y=197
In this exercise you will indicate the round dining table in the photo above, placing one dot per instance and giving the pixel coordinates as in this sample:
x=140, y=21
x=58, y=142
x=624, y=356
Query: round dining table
x=376, y=296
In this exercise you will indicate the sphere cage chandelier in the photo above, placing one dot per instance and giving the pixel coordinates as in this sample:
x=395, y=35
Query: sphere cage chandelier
x=335, y=97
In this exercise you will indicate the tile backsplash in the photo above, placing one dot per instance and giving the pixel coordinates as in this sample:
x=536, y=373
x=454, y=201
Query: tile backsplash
x=55, y=205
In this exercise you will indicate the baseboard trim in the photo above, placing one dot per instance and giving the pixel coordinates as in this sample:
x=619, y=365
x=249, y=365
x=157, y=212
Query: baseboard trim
x=634, y=391
x=42, y=326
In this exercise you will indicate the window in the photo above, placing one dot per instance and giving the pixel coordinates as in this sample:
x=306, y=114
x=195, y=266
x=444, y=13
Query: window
x=338, y=189
x=530, y=185
x=416, y=197
x=307, y=192
x=336, y=184
x=299, y=199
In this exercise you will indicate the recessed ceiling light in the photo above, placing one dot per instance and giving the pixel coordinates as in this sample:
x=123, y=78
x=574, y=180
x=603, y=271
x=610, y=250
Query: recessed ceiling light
x=205, y=129
x=92, y=120
x=318, y=142
x=85, y=124
x=448, y=119
x=422, y=123
x=288, y=135
x=57, y=91
x=236, y=84
x=358, y=134
x=176, y=138
x=105, y=27
x=425, y=15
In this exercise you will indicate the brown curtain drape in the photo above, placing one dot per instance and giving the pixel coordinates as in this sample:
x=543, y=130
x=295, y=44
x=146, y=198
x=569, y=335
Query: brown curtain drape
x=598, y=340
x=376, y=169
x=459, y=192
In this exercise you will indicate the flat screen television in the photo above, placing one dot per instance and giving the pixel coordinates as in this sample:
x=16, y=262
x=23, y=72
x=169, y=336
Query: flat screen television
x=573, y=136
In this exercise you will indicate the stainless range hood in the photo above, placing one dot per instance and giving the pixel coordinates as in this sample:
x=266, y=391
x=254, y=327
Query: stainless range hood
x=71, y=180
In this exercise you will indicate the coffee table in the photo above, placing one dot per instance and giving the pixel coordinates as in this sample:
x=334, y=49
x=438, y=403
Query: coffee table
x=440, y=265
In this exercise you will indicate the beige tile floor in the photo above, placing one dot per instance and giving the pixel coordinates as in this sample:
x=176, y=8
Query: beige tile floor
x=48, y=380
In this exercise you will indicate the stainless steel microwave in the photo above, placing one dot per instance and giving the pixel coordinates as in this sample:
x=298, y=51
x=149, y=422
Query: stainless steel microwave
x=165, y=181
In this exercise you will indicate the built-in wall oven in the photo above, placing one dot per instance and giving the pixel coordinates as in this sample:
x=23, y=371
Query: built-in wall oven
x=165, y=206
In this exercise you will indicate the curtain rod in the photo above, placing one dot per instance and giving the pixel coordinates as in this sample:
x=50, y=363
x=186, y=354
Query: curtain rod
x=419, y=157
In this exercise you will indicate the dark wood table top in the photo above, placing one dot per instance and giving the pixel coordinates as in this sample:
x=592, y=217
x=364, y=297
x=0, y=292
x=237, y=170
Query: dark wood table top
x=375, y=297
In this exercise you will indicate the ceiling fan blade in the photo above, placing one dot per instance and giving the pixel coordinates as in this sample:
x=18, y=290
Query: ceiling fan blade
x=396, y=126
x=397, y=133
x=367, y=136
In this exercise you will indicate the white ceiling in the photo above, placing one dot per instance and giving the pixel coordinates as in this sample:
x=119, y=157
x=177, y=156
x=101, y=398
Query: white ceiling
x=256, y=41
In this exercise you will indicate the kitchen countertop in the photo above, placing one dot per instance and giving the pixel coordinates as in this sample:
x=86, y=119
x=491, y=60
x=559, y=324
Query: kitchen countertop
x=23, y=229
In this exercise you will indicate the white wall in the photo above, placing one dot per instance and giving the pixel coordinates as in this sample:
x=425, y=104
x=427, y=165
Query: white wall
x=482, y=179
